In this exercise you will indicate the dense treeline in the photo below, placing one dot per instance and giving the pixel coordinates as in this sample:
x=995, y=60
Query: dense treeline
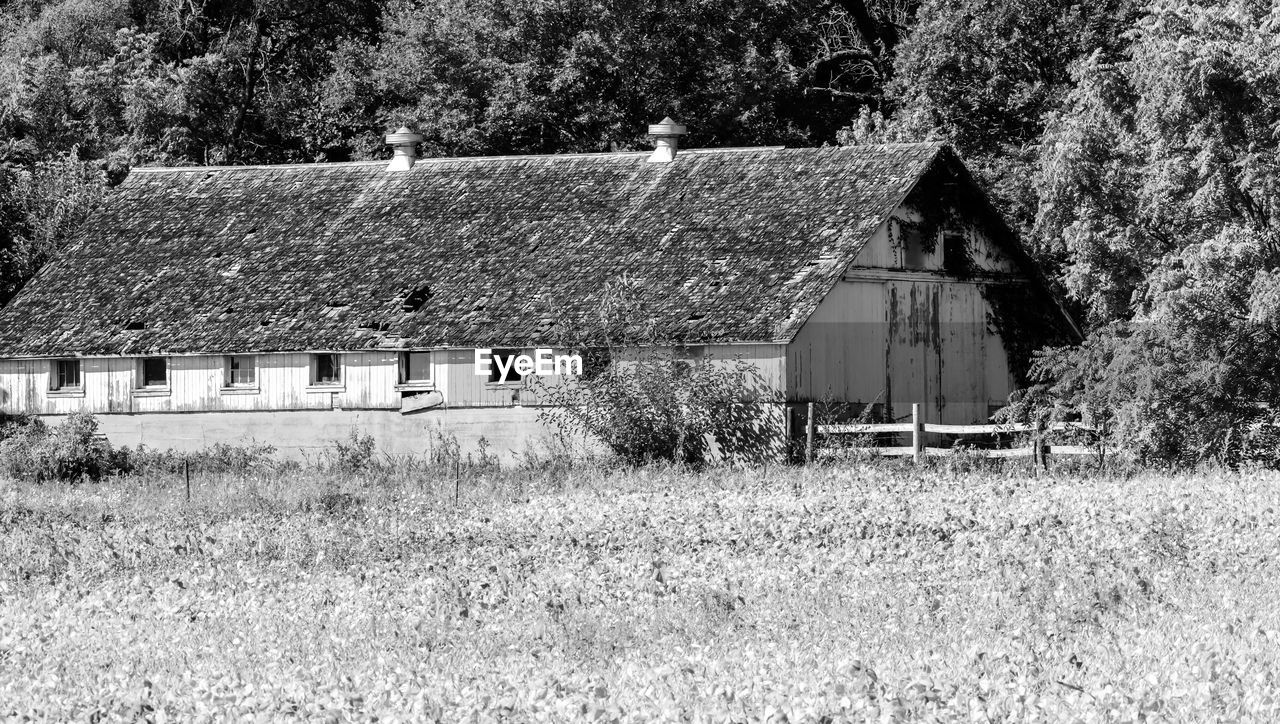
x=1135, y=146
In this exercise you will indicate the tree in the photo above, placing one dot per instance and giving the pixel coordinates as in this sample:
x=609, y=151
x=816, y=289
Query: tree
x=40, y=208
x=983, y=74
x=1162, y=150
x=589, y=75
x=1161, y=188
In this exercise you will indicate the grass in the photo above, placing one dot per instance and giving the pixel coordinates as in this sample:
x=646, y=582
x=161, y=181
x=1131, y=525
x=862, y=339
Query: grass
x=824, y=594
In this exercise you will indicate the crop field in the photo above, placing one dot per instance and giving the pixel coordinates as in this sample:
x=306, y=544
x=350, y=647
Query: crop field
x=820, y=594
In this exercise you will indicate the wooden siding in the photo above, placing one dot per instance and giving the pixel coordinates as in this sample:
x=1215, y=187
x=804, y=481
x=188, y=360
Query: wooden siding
x=283, y=383
x=899, y=335
x=195, y=385
x=887, y=247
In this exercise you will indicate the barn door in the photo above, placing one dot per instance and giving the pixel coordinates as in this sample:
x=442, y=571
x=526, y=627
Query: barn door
x=962, y=356
x=913, y=366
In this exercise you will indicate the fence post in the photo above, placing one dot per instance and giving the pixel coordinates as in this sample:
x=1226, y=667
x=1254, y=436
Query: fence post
x=1101, y=434
x=1037, y=444
x=808, y=436
x=917, y=434
x=186, y=473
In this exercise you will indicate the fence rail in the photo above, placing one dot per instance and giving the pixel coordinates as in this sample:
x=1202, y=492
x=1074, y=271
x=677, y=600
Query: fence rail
x=1038, y=448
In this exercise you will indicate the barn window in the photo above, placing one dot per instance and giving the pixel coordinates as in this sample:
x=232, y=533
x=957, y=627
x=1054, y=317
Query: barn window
x=504, y=359
x=914, y=256
x=240, y=371
x=153, y=373
x=415, y=368
x=65, y=375
x=326, y=369
x=955, y=256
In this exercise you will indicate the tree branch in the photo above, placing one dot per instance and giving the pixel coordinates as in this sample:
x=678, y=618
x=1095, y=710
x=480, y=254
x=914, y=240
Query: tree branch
x=877, y=42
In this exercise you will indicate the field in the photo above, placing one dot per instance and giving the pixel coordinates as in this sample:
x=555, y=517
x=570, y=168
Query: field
x=769, y=595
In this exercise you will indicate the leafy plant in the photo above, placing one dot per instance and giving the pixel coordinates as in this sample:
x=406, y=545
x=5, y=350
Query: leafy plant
x=358, y=452
x=69, y=451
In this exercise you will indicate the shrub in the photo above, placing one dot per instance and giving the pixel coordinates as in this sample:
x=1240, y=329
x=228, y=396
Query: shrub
x=356, y=453
x=217, y=458
x=659, y=407
x=71, y=451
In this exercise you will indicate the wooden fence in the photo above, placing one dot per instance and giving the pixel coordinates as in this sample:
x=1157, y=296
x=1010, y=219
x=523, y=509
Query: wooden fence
x=918, y=428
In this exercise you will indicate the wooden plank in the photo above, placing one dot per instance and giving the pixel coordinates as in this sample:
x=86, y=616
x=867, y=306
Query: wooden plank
x=1065, y=426
x=1073, y=450
x=882, y=451
x=808, y=434
x=892, y=451
x=978, y=429
x=421, y=401
x=1016, y=452
x=917, y=434
x=864, y=429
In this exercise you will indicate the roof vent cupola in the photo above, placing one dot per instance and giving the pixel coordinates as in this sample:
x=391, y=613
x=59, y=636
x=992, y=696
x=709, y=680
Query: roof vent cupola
x=666, y=137
x=405, y=143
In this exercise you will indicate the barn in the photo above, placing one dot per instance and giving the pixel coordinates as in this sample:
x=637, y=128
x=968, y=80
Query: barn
x=291, y=304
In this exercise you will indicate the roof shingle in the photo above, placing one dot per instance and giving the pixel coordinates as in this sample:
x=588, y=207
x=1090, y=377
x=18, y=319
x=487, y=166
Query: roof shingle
x=738, y=245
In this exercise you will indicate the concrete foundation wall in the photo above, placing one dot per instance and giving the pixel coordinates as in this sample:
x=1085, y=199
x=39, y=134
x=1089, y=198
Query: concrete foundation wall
x=306, y=434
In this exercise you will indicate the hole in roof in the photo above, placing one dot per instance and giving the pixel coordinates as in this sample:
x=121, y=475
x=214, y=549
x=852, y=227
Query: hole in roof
x=135, y=325
x=414, y=300
x=264, y=323
x=695, y=317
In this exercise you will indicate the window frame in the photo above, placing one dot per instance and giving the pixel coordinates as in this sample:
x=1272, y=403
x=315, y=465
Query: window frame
x=56, y=388
x=955, y=254
x=229, y=385
x=140, y=386
x=402, y=373
x=495, y=372
x=339, y=366
x=914, y=255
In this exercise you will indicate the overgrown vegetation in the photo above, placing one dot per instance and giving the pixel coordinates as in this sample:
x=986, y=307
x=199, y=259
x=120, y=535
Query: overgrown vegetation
x=818, y=594
x=73, y=451
x=646, y=397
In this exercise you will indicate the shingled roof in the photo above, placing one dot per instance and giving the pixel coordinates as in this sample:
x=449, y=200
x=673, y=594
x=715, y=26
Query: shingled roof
x=737, y=245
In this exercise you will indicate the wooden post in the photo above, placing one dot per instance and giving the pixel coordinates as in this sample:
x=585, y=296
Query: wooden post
x=1038, y=448
x=808, y=436
x=457, y=479
x=186, y=473
x=1101, y=434
x=917, y=434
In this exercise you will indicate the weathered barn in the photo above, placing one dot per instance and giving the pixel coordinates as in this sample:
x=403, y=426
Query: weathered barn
x=288, y=304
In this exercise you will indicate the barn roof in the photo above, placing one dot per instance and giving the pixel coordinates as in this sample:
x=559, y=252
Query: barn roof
x=733, y=245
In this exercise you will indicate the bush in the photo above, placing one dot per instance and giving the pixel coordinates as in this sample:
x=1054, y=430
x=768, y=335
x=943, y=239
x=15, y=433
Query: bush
x=356, y=453
x=72, y=451
x=659, y=407
x=217, y=458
